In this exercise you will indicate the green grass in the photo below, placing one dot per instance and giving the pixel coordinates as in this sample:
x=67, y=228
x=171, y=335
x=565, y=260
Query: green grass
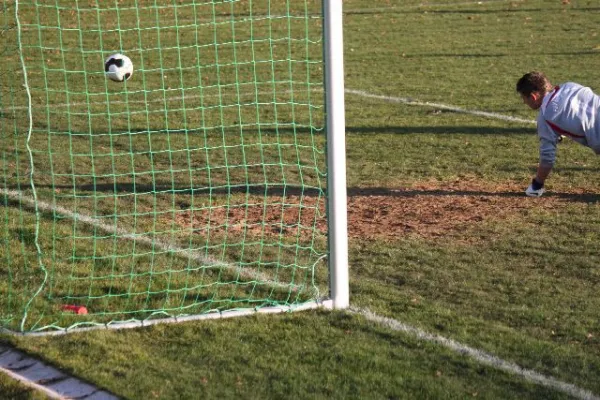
x=523, y=288
x=327, y=355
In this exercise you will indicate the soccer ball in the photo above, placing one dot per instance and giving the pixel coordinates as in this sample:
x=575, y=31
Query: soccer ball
x=118, y=67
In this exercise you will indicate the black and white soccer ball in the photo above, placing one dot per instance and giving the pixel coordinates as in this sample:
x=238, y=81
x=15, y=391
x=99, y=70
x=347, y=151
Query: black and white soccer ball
x=118, y=67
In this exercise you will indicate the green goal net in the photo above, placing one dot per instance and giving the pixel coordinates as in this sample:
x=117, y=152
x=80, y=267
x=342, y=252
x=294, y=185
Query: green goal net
x=195, y=187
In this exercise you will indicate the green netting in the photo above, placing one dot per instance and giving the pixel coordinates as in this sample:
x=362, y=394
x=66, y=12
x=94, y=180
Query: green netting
x=197, y=185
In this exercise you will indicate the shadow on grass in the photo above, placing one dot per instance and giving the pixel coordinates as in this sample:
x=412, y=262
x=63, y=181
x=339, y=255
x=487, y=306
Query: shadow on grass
x=498, y=55
x=278, y=190
x=302, y=130
x=431, y=10
x=575, y=197
x=442, y=130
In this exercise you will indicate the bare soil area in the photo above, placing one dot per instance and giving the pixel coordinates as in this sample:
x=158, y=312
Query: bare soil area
x=426, y=210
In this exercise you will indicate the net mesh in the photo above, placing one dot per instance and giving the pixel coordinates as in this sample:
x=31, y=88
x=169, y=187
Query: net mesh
x=195, y=186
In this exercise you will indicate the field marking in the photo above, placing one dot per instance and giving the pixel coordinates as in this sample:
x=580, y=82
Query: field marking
x=165, y=99
x=413, y=102
x=361, y=93
x=139, y=237
x=480, y=356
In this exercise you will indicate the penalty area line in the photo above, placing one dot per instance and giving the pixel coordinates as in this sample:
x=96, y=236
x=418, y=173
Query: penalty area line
x=413, y=102
x=479, y=356
x=361, y=93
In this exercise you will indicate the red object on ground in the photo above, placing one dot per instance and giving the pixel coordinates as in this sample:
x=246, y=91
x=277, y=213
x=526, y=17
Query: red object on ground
x=81, y=310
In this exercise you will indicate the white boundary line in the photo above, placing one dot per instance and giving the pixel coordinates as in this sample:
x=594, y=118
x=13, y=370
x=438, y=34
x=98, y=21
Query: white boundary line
x=479, y=356
x=140, y=238
x=390, y=99
x=413, y=102
x=34, y=373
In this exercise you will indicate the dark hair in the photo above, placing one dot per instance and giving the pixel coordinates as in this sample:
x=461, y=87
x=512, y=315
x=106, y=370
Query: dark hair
x=533, y=82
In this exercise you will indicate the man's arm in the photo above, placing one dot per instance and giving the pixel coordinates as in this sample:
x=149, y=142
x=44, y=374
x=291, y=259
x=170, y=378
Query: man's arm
x=547, y=158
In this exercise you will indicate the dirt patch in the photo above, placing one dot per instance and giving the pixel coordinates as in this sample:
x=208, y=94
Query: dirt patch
x=432, y=210
x=269, y=216
x=426, y=210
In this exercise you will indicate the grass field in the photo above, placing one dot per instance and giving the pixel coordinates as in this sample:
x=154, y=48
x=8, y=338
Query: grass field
x=519, y=282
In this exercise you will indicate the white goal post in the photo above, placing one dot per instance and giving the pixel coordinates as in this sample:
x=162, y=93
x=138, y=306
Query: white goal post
x=336, y=153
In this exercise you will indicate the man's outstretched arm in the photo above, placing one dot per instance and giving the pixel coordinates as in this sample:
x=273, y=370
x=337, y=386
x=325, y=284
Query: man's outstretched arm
x=548, y=146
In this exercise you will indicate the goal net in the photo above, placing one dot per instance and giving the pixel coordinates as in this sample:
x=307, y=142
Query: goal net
x=195, y=188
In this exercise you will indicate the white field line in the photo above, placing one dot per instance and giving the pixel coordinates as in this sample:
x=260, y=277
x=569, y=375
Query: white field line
x=412, y=102
x=163, y=99
x=480, y=356
x=201, y=259
x=361, y=93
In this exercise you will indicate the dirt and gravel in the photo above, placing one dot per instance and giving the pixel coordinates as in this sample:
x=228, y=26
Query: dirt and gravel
x=427, y=210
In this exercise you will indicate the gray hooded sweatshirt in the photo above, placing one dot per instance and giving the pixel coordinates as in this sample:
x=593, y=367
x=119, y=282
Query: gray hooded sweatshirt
x=569, y=110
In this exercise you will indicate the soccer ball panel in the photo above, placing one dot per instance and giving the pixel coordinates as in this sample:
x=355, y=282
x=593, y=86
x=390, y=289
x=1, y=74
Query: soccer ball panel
x=118, y=67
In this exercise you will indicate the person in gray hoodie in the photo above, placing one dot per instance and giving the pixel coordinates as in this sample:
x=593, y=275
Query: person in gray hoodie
x=566, y=110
